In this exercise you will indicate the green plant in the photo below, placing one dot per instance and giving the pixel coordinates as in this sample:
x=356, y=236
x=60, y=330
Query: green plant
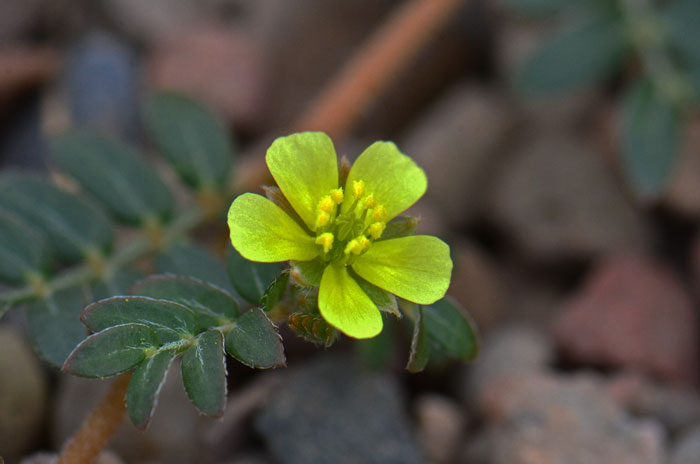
x=103, y=300
x=660, y=43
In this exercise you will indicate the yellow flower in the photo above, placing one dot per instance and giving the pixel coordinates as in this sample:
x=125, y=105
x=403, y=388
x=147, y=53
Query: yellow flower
x=346, y=224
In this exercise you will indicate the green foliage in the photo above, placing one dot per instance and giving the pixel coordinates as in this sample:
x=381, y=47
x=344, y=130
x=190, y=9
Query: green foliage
x=650, y=137
x=204, y=373
x=145, y=385
x=23, y=251
x=254, y=341
x=597, y=45
x=194, y=261
x=420, y=347
x=250, y=279
x=115, y=175
x=663, y=37
x=192, y=139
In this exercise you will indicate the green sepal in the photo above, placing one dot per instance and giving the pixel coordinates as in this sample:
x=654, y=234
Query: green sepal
x=144, y=386
x=400, y=226
x=250, y=279
x=384, y=300
x=111, y=351
x=255, y=342
x=312, y=328
x=211, y=306
x=204, y=373
x=420, y=343
x=308, y=273
x=275, y=292
x=170, y=321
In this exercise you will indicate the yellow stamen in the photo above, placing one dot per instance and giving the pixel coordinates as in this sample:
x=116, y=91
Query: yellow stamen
x=358, y=188
x=322, y=219
x=337, y=195
x=326, y=240
x=379, y=214
x=326, y=204
x=376, y=230
x=353, y=247
x=370, y=202
x=364, y=242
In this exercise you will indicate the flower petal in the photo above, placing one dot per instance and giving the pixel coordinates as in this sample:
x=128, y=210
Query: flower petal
x=416, y=268
x=305, y=168
x=262, y=231
x=345, y=306
x=396, y=181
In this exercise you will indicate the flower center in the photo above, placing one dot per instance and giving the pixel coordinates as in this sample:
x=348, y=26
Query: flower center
x=344, y=236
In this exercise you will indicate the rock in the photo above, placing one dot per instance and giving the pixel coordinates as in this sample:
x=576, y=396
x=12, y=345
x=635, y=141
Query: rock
x=676, y=408
x=510, y=352
x=546, y=419
x=24, y=145
x=23, y=69
x=172, y=435
x=687, y=450
x=683, y=192
x=456, y=142
x=440, y=427
x=556, y=200
x=103, y=85
x=477, y=284
x=331, y=411
x=23, y=393
x=222, y=67
x=632, y=313
x=17, y=19
x=105, y=457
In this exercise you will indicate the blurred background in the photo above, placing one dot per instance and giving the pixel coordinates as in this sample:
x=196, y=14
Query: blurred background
x=562, y=145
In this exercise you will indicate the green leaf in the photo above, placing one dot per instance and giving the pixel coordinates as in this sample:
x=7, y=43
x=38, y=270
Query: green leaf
x=117, y=282
x=145, y=385
x=211, y=306
x=650, y=139
x=116, y=175
x=204, y=373
x=274, y=293
x=23, y=251
x=170, y=321
x=420, y=344
x=194, y=261
x=451, y=329
x=681, y=20
x=376, y=352
x=72, y=226
x=191, y=138
x=111, y=351
x=250, y=279
x=574, y=58
x=54, y=324
x=254, y=341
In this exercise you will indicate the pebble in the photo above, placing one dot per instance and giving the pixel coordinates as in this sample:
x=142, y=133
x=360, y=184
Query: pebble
x=441, y=426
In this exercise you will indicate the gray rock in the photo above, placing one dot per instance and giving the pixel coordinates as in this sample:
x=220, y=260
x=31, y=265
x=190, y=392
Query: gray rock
x=457, y=143
x=546, y=419
x=105, y=457
x=17, y=19
x=331, y=411
x=511, y=352
x=440, y=427
x=687, y=450
x=23, y=392
x=555, y=199
x=683, y=192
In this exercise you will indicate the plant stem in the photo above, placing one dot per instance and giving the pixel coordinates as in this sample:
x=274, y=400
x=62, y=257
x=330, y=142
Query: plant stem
x=79, y=275
x=97, y=429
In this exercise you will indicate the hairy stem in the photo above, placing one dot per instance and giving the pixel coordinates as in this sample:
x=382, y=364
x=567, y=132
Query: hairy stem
x=98, y=427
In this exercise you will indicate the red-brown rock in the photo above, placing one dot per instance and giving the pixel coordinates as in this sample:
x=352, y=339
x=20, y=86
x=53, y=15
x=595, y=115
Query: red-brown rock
x=632, y=313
